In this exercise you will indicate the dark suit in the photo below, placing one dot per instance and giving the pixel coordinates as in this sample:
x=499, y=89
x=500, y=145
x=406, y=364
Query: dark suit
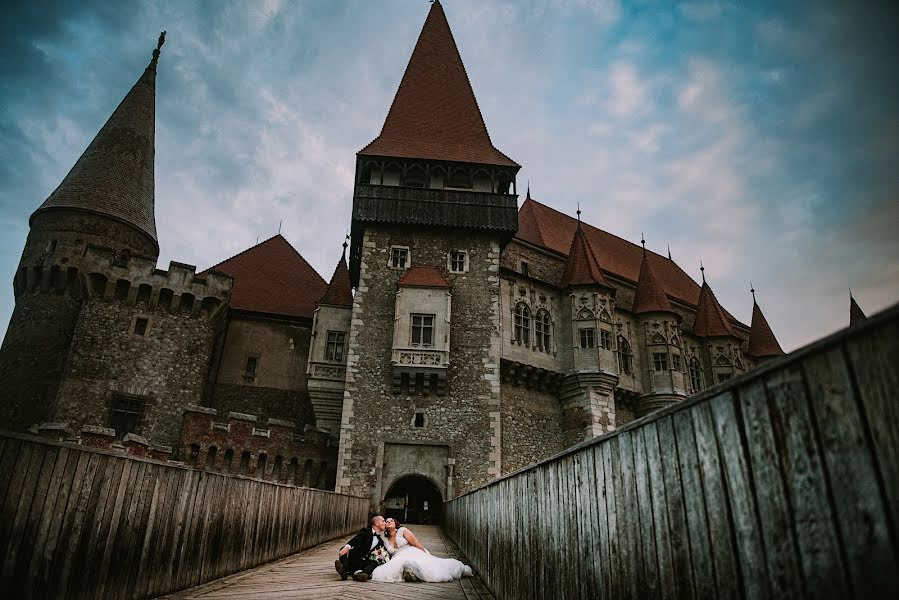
x=360, y=548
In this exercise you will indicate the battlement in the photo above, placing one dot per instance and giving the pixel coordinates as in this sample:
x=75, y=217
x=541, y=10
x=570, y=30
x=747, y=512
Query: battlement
x=239, y=443
x=101, y=273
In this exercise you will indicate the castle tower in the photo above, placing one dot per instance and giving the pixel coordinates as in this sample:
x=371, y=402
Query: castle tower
x=326, y=372
x=106, y=200
x=434, y=203
x=589, y=358
x=762, y=343
x=662, y=348
x=720, y=345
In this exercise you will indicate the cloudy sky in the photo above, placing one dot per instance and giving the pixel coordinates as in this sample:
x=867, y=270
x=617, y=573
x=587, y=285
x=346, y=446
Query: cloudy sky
x=761, y=138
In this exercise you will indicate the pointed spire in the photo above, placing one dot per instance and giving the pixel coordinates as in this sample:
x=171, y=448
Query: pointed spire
x=649, y=295
x=669, y=252
x=582, y=266
x=528, y=197
x=434, y=114
x=856, y=315
x=711, y=321
x=702, y=270
x=114, y=175
x=340, y=290
x=762, y=343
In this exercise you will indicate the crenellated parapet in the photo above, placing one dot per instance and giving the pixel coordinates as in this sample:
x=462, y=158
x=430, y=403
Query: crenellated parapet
x=101, y=273
x=274, y=450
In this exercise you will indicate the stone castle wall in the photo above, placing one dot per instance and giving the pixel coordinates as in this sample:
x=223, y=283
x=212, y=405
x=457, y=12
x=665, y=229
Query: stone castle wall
x=531, y=426
x=467, y=416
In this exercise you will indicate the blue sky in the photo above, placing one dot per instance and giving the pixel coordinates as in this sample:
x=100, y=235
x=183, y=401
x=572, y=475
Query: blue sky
x=761, y=138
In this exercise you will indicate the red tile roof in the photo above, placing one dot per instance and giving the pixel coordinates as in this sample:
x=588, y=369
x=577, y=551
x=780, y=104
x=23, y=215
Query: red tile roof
x=340, y=290
x=762, y=342
x=711, y=320
x=582, y=266
x=548, y=228
x=272, y=277
x=649, y=295
x=423, y=276
x=114, y=175
x=434, y=114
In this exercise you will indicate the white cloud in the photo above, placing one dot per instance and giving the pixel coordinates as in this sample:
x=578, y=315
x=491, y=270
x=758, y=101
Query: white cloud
x=627, y=92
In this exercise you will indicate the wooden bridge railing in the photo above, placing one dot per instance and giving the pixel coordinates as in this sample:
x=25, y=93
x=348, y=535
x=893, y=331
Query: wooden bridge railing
x=784, y=483
x=78, y=522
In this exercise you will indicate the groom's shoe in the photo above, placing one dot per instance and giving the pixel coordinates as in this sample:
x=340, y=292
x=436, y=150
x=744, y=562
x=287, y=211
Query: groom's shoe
x=360, y=576
x=340, y=569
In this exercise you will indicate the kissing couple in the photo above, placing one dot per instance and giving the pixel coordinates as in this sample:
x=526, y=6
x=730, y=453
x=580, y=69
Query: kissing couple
x=386, y=551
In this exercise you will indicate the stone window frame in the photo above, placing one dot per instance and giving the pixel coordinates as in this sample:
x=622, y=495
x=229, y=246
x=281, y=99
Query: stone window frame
x=695, y=369
x=605, y=339
x=625, y=356
x=251, y=376
x=432, y=326
x=451, y=260
x=414, y=420
x=676, y=364
x=139, y=412
x=408, y=257
x=586, y=337
x=132, y=328
x=341, y=343
x=522, y=323
x=660, y=361
x=543, y=330
x=525, y=268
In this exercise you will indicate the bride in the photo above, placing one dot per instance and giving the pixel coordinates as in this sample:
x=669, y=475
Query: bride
x=408, y=556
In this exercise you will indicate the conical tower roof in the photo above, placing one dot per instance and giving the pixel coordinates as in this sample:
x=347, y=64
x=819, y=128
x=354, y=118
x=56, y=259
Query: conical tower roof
x=340, y=290
x=710, y=318
x=762, y=342
x=856, y=314
x=114, y=175
x=649, y=295
x=434, y=114
x=582, y=266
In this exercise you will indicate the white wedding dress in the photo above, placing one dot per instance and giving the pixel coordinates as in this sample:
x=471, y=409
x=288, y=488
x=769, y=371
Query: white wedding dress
x=409, y=559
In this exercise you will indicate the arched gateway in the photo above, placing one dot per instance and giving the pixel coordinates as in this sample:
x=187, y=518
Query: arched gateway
x=414, y=499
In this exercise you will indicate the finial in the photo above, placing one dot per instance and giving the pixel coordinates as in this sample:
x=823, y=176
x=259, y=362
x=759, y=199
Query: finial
x=752, y=290
x=159, y=44
x=669, y=252
x=279, y=226
x=850, y=293
x=345, y=244
x=702, y=269
x=579, y=213
x=528, y=197
x=643, y=243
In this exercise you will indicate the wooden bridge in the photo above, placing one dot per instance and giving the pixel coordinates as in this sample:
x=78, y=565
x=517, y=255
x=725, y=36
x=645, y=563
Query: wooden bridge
x=311, y=574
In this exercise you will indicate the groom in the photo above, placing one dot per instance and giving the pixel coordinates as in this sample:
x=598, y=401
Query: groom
x=355, y=557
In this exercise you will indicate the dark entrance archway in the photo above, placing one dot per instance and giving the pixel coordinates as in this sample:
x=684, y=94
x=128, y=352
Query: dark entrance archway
x=414, y=499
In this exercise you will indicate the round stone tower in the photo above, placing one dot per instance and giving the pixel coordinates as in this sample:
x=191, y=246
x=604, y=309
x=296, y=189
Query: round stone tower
x=107, y=201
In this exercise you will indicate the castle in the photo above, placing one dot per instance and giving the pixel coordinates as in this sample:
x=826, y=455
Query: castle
x=482, y=336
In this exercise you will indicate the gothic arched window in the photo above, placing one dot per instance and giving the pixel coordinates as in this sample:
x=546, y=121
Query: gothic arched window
x=625, y=356
x=695, y=375
x=543, y=329
x=657, y=339
x=523, y=324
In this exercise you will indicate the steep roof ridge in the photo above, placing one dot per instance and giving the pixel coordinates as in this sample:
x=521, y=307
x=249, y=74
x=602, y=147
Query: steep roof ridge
x=528, y=205
x=649, y=295
x=428, y=38
x=762, y=341
x=582, y=266
x=340, y=289
x=254, y=246
x=711, y=320
x=117, y=167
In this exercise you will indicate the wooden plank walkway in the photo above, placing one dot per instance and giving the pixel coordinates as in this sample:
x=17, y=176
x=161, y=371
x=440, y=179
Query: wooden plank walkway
x=311, y=574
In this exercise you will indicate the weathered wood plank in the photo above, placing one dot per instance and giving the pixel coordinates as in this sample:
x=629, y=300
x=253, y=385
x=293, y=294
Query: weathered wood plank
x=694, y=503
x=603, y=577
x=677, y=514
x=777, y=526
x=805, y=485
x=849, y=459
x=667, y=582
x=648, y=585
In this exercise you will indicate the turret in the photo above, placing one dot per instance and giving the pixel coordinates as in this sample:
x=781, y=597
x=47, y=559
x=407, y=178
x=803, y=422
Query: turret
x=762, y=343
x=326, y=370
x=661, y=345
x=106, y=201
x=589, y=358
x=720, y=345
